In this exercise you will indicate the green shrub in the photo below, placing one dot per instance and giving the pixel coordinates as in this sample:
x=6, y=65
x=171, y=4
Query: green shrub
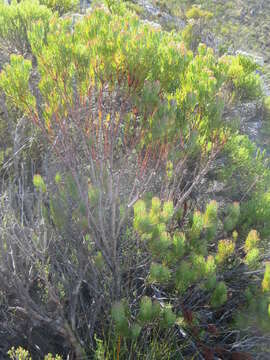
x=251, y=240
x=17, y=19
x=266, y=279
x=61, y=6
x=183, y=262
x=219, y=296
x=193, y=266
x=244, y=81
x=232, y=218
x=225, y=250
x=252, y=258
x=51, y=357
x=197, y=26
x=22, y=354
x=197, y=13
x=266, y=108
x=19, y=354
x=128, y=116
x=257, y=312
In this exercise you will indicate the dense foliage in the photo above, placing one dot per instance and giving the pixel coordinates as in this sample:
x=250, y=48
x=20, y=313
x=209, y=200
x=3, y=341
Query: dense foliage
x=108, y=248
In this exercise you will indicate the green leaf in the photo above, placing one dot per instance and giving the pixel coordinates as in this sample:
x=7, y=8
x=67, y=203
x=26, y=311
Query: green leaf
x=39, y=183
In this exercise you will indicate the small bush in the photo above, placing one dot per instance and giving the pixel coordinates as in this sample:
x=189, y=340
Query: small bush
x=60, y=6
x=22, y=354
x=244, y=81
x=197, y=13
x=19, y=354
x=251, y=240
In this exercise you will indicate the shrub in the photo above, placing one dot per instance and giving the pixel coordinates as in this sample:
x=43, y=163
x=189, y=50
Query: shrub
x=251, y=240
x=131, y=120
x=193, y=33
x=17, y=19
x=247, y=171
x=225, y=250
x=61, y=6
x=266, y=279
x=131, y=126
x=219, y=296
x=232, y=218
x=245, y=83
x=19, y=354
x=266, y=107
x=184, y=267
x=22, y=354
x=197, y=13
x=252, y=258
x=182, y=264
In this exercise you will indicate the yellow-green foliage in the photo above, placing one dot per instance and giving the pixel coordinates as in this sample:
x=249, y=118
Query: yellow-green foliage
x=52, y=357
x=219, y=296
x=252, y=240
x=19, y=354
x=179, y=243
x=197, y=225
x=247, y=162
x=159, y=273
x=192, y=33
x=251, y=249
x=107, y=47
x=188, y=35
x=22, y=354
x=266, y=108
x=232, y=218
x=149, y=312
x=61, y=6
x=168, y=317
x=39, y=183
x=178, y=96
x=252, y=258
x=182, y=258
x=211, y=220
x=17, y=19
x=197, y=13
x=119, y=316
x=244, y=82
x=225, y=250
x=152, y=224
x=266, y=279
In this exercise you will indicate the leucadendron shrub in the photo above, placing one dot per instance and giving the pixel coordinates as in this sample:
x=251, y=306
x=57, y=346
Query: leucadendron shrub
x=182, y=258
x=247, y=171
x=131, y=119
x=61, y=6
x=185, y=262
x=16, y=20
x=245, y=84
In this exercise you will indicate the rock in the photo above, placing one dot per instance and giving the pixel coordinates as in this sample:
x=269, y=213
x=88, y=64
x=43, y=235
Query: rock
x=76, y=18
x=216, y=187
x=149, y=8
x=3, y=59
x=249, y=116
x=152, y=24
x=212, y=41
x=247, y=112
x=164, y=19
